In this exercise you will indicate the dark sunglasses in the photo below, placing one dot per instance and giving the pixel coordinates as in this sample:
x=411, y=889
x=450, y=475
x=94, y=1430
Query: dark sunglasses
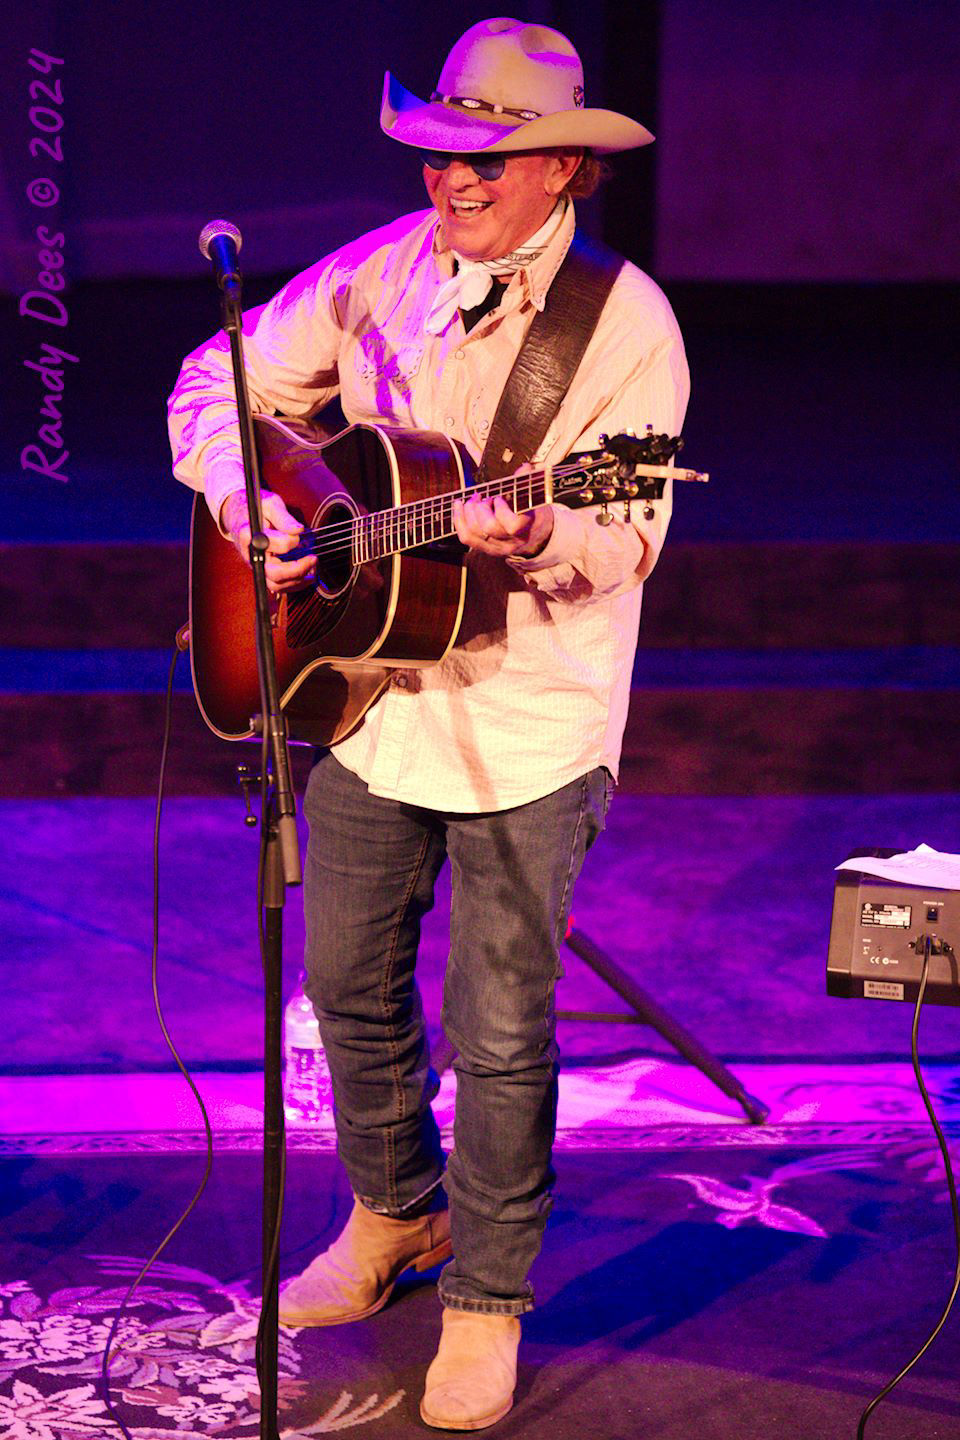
x=485, y=167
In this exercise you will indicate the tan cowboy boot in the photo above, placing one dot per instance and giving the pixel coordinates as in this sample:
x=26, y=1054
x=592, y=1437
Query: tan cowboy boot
x=355, y=1276
x=471, y=1382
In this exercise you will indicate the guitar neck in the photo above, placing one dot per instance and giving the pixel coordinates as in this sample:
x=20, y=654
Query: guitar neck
x=424, y=522
x=626, y=468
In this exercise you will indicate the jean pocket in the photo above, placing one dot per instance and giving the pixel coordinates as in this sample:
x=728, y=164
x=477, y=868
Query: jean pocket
x=609, y=787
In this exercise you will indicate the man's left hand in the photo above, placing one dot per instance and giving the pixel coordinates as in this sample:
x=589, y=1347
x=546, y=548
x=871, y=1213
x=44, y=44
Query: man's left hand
x=492, y=527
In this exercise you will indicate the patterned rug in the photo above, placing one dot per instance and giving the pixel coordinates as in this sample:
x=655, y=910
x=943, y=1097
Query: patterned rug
x=708, y=1290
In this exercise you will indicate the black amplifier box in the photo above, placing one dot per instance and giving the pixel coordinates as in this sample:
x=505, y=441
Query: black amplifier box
x=878, y=936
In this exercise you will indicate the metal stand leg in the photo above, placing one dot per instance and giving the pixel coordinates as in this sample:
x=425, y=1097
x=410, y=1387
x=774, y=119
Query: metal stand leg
x=645, y=1012
x=648, y=1012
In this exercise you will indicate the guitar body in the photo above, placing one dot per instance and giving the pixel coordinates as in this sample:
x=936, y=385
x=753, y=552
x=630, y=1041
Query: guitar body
x=337, y=642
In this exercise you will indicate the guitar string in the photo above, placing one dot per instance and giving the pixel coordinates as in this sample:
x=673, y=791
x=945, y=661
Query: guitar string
x=378, y=525
x=444, y=503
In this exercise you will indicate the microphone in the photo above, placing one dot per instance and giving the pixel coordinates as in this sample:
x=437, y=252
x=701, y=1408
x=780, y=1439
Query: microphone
x=220, y=243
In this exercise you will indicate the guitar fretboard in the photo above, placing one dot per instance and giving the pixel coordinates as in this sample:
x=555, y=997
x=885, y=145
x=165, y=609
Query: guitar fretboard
x=424, y=522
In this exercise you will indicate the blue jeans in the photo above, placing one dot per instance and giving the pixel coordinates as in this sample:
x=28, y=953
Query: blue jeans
x=371, y=868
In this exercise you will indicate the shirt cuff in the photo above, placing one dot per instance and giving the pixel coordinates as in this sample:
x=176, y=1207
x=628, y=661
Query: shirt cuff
x=559, y=549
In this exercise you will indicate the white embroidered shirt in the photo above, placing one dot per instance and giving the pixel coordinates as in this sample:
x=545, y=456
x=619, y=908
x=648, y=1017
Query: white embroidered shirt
x=535, y=691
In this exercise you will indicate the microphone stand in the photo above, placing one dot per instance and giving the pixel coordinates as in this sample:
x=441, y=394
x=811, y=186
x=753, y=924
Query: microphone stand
x=281, y=868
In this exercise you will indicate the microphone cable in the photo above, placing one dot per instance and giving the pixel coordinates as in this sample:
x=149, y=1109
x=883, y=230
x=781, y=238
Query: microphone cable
x=951, y=1186
x=108, y=1351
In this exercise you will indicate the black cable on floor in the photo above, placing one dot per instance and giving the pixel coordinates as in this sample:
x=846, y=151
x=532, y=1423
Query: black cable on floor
x=951, y=1186
x=145, y=1268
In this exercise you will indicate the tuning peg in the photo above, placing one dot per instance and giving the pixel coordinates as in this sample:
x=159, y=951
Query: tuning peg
x=648, y=511
x=632, y=433
x=604, y=517
x=603, y=437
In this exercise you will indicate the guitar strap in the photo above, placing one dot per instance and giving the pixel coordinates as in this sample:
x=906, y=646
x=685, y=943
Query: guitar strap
x=549, y=356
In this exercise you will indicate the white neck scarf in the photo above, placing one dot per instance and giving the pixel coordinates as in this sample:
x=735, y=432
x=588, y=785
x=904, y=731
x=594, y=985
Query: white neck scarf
x=471, y=283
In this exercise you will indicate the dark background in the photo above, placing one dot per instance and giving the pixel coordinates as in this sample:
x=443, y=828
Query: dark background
x=799, y=206
x=797, y=686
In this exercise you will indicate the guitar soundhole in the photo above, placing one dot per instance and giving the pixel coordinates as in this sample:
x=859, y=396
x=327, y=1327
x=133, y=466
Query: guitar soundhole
x=312, y=612
x=335, y=570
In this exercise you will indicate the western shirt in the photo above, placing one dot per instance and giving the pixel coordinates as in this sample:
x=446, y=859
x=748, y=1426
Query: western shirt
x=535, y=691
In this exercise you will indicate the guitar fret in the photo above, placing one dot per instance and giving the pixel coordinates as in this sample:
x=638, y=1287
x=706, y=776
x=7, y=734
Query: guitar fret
x=423, y=522
x=428, y=520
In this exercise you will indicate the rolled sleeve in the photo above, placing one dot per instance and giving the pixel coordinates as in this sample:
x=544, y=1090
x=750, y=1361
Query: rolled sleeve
x=291, y=348
x=613, y=558
x=610, y=559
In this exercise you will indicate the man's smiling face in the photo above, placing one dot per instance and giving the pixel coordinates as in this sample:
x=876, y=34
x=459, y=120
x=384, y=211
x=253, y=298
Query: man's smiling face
x=485, y=219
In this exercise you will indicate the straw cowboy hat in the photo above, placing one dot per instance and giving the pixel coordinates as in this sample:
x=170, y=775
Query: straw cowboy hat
x=506, y=86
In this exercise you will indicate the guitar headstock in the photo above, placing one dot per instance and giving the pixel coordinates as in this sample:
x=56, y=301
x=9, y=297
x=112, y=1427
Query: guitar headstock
x=649, y=449
x=628, y=467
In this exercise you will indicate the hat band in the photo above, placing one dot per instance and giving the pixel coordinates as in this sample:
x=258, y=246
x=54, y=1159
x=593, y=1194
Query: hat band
x=468, y=102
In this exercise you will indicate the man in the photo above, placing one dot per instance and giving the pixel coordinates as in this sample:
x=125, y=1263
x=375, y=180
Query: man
x=502, y=756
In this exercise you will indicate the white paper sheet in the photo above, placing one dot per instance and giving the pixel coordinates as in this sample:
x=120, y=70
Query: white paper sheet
x=923, y=866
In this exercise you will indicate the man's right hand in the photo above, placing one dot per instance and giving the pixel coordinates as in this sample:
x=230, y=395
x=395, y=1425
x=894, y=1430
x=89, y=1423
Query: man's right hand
x=282, y=531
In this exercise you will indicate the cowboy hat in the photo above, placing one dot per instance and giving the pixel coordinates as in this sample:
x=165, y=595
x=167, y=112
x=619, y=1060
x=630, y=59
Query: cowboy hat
x=506, y=86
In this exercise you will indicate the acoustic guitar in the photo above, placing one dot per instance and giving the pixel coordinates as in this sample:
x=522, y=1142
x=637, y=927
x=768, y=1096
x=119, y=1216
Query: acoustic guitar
x=390, y=580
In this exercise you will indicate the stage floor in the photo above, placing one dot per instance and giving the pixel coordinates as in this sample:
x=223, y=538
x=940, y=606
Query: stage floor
x=718, y=906
x=698, y=1276
x=644, y=1103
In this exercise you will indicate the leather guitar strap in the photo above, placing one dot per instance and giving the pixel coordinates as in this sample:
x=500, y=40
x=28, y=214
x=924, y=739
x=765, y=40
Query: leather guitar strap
x=549, y=356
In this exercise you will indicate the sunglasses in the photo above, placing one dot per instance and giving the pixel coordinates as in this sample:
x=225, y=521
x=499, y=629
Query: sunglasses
x=485, y=167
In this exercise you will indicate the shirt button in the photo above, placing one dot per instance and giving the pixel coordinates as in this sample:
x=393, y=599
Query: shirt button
x=449, y=422
x=459, y=354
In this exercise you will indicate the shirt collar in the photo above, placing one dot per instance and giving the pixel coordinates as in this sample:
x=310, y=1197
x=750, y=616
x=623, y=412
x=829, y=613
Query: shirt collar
x=538, y=276
x=535, y=278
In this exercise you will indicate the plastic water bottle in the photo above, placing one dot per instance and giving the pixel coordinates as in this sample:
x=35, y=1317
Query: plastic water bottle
x=306, y=1074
